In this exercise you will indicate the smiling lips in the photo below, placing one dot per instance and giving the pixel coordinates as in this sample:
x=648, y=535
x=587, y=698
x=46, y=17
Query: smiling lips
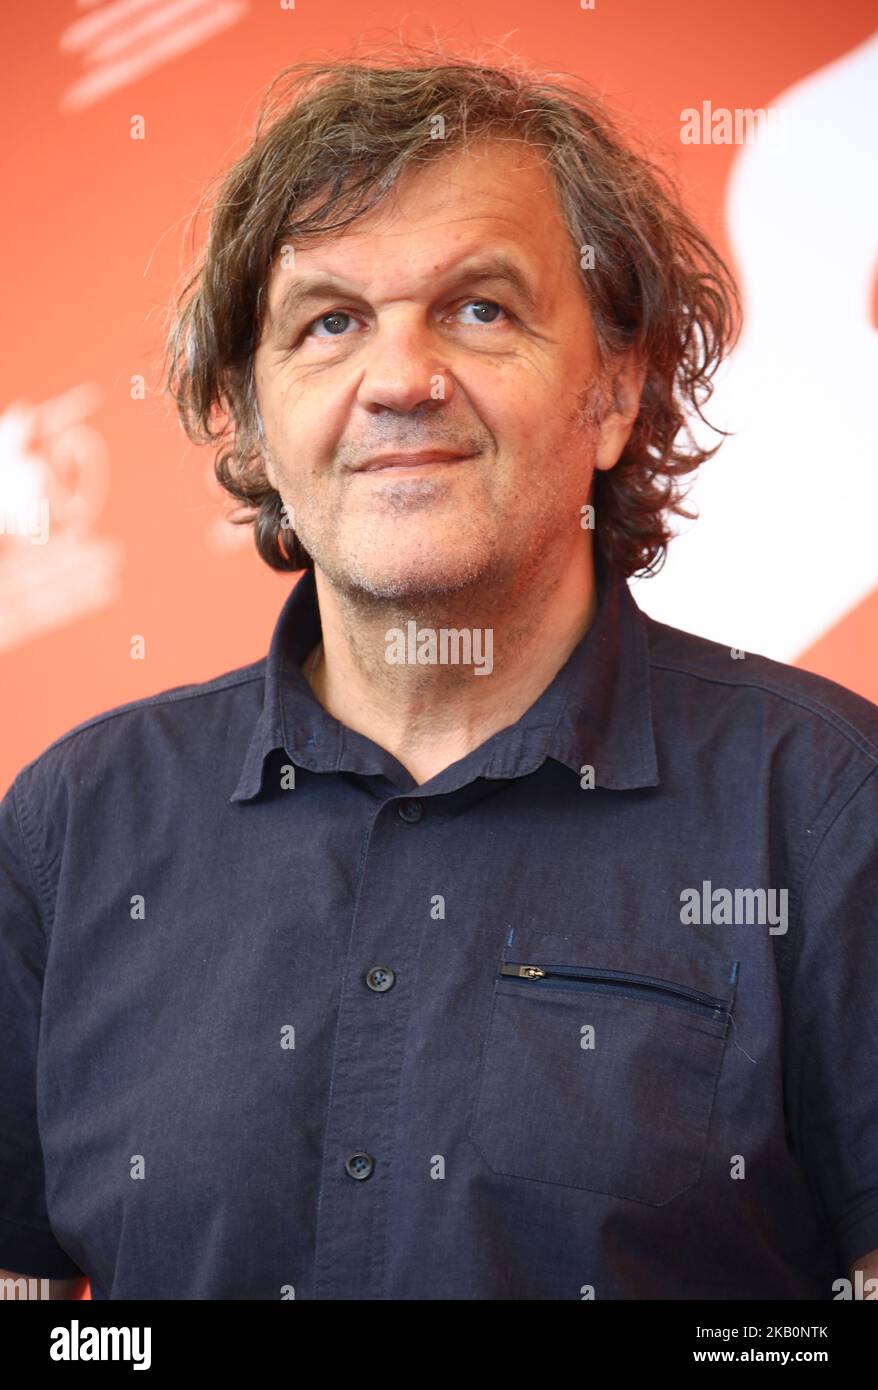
x=425, y=458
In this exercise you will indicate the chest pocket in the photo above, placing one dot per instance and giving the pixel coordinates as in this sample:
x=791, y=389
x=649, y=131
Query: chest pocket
x=600, y=1065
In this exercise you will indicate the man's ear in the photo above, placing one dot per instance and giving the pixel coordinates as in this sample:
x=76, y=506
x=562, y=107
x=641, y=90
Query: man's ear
x=618, y=422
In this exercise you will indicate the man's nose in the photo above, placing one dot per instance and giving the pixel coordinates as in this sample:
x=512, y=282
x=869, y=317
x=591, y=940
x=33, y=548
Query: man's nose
x=405, y=363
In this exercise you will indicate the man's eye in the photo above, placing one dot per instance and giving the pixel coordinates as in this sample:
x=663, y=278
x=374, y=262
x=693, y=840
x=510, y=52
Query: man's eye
x=336, y=329
x=482, y=304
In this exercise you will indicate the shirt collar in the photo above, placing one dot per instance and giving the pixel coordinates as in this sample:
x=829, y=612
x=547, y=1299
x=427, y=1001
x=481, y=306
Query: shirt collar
x=596, y=712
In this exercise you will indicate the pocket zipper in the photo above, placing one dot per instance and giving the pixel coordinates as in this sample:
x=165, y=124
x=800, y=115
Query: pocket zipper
x=694, y=998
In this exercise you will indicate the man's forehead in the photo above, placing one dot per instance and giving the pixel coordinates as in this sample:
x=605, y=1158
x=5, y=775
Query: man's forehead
x=497, y=181
x=489, y=229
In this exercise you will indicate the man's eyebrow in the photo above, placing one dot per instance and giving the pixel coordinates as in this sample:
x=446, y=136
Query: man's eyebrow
x=496, y=266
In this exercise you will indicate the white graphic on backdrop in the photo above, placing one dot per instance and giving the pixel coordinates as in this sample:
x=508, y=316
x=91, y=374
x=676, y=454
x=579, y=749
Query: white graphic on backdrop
x=122, y=41
x=54, y=476
x=785, y=544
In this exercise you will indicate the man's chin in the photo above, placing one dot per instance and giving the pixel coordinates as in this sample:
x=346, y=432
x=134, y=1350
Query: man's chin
x=398, y=579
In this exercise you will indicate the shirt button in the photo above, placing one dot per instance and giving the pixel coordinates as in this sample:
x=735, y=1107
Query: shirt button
x=360, y=1165
x=380, y=978
x=410, y=811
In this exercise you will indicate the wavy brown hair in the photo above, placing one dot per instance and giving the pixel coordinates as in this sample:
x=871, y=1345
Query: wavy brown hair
x=334, y=137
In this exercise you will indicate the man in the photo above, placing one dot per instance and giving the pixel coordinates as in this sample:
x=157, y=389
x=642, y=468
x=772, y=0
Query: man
x=489, y=940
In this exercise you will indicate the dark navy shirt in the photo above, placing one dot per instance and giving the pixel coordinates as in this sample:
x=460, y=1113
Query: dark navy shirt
x=276, y=1021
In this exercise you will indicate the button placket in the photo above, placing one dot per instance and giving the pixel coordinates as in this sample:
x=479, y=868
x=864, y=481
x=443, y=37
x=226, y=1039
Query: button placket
x=361, y=1133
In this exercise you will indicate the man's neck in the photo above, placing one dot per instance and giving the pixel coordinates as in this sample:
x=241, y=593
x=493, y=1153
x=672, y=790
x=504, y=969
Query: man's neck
x=431, y=715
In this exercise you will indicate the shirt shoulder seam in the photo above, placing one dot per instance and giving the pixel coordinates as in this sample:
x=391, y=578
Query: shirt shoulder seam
x=812, y=705
x=37, y=887
x=792, y=957
x=809, y=863
x=248, y=675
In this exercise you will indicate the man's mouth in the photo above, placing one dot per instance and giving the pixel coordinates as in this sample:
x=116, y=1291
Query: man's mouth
x=425, y=458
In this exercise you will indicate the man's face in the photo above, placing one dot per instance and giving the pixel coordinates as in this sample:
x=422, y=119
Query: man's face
x=418, y=343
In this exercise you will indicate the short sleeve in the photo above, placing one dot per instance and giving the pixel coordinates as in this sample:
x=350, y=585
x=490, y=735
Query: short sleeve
x=27, y=1244
x=831, y=1028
